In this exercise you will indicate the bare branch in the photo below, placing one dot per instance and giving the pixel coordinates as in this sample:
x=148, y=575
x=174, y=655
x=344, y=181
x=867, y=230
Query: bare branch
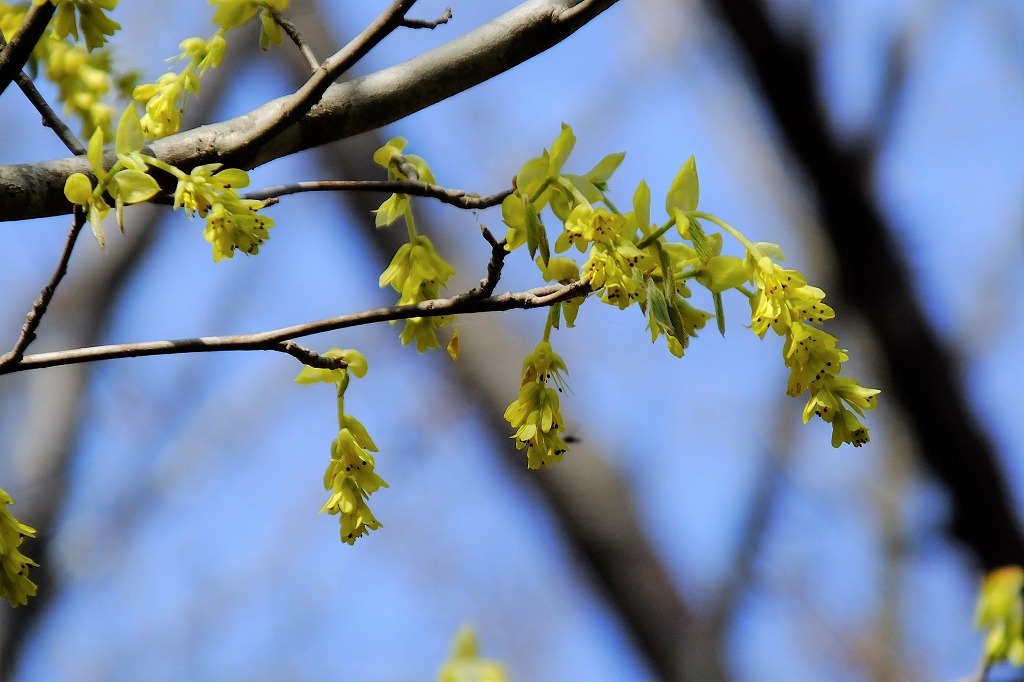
x=296, y=37
x=346, y=109
x=35, y=316
x=50, y=118
x=16, y=53
x=423, y=23
x=278, y=339
x=453, y=197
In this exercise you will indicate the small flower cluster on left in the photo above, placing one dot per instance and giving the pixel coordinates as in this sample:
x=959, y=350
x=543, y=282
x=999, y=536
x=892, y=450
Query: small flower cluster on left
x=232, y=223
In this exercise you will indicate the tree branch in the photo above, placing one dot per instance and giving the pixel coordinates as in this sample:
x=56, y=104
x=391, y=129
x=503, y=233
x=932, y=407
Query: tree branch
x=17, y=51
x=50, y=117
x=35, y=316
x=296, y=105
x=494, y=265
x=455, y=197
x=346, y=109
x=279, y=339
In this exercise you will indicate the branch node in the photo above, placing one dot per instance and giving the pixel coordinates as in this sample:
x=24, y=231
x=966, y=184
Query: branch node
x=310, y=358
x=494, y=266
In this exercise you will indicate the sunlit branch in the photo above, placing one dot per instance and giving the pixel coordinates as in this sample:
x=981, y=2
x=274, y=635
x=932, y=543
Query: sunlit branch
x=281, y=339
x=298, y=104
x=454, y=197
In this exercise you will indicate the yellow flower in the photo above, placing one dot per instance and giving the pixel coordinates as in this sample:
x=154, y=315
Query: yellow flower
x=163, y=100
x=350, y=502
x=544, y=364
x=1001, y=611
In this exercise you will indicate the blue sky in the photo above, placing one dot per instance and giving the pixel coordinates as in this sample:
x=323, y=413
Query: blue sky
x=190, y=545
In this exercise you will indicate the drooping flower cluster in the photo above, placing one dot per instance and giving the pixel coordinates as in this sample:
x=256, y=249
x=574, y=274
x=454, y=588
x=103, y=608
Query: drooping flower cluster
x=535, y=414
x=416, y=271
x=14, y=581
x=350, y=476
x=785, y=303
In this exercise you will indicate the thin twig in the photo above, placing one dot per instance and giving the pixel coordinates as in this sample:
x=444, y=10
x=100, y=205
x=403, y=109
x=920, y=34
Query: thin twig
x=50, y=118
x=454, y=197
x=35, y=316
x=494, y=265
x=14, y=55
x=277, y=339
x=313, y=89
x=300, y=42
x=424, y=23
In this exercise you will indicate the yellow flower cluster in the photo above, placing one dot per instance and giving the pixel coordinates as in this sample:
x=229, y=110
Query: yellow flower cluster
x=535, y=413
x=615, y=268
x=232, y=222
x=165, y=99
x=350, y=475
x=14, y=582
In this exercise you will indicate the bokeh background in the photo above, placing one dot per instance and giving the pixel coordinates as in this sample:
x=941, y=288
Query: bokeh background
x=176, y=497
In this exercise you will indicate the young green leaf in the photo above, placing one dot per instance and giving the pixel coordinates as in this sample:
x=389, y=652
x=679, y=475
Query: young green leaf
x=684, y=191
